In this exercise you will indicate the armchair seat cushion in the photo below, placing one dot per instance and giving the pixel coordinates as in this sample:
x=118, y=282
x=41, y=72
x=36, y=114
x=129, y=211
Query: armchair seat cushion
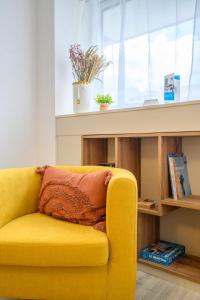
x=39, y=240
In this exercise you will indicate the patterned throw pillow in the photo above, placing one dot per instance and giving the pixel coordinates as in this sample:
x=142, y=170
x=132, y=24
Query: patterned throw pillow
x=74, y=197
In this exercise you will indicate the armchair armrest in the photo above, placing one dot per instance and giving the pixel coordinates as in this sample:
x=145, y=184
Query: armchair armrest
x=19, y=190
x=122, y=235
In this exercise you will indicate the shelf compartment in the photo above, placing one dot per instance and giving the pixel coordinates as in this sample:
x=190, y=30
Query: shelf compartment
x=96, y=151
x=148, y=230
x=167, y=145
x=129, y=156
x=192, y=202
x=187, y=267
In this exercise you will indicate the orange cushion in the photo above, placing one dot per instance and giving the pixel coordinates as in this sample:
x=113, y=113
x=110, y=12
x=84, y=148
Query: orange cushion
x=74, y=197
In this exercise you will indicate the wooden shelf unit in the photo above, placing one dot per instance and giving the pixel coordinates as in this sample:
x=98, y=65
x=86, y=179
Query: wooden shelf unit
x=126, y=151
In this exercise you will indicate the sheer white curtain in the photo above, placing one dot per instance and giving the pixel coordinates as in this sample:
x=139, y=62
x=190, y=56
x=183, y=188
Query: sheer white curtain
x=145, y=40
x=194, y=83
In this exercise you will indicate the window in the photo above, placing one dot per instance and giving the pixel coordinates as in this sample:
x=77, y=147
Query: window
x=147, y=40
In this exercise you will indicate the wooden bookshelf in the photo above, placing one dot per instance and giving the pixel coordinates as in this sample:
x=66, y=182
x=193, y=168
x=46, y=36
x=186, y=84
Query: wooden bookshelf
x=126, y=151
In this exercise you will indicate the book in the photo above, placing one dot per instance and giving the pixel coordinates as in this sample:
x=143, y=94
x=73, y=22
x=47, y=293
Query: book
x=172, y=177
x=171, y=88
x=179, y=178
x=162, y=252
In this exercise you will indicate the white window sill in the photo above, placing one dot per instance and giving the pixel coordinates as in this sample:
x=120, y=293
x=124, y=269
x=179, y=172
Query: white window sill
x=138, y=108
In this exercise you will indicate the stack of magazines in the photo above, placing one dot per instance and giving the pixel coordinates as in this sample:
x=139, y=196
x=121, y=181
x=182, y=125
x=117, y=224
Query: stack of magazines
x=180, y=184
x=162, y=252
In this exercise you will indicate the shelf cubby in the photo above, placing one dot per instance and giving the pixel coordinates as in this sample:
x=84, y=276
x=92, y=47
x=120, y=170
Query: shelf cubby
x=98, y=151
x=179, y=144
x=129, y=155
x=139, y=154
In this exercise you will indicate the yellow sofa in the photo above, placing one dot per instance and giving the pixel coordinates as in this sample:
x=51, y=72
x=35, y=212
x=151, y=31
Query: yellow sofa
x=45, y=258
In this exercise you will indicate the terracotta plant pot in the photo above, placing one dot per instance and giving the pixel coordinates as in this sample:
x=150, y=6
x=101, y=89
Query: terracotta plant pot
x=104, y=106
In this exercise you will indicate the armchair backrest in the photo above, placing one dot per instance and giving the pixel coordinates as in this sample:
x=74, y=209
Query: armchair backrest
x=19, y=190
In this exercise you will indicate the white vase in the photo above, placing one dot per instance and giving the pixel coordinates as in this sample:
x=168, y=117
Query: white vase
x=82, y=94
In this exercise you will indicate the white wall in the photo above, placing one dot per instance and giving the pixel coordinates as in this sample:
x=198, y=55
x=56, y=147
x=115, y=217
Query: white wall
x=17, y=83
x=73, y=23
x=26, y=85
x=45, y=82
x=66, y=28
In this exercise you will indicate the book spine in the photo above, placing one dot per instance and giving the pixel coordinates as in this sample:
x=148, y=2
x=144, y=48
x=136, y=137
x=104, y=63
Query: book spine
x=172, y=177
x=175, y=179
x=188, y=191
x=178, y=184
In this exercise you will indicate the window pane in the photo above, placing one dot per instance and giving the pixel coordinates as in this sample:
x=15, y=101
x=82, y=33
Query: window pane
x=171, y=52
x=136, y=69
x=148, y=58
x=110, y=77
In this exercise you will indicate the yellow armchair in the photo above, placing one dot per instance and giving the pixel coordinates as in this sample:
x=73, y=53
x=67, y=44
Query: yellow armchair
x=45, y=258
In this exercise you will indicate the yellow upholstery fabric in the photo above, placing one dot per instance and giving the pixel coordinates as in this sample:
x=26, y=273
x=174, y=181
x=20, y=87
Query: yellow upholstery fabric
x=19, y=190
x=122, y=235
x=53, y=283
x=113, y=281
x=40, y=240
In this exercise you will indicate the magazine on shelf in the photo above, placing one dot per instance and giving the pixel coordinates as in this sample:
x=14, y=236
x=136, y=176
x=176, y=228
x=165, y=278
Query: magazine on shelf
x=180, y=184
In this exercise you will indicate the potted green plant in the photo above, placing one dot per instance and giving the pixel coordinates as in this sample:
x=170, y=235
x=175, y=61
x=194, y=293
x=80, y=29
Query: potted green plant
x=104, y=101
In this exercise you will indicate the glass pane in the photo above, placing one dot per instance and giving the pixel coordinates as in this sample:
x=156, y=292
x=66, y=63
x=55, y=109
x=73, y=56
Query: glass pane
x=148, y=58
x=171, y=52
x=136, y=69
x=110, y=76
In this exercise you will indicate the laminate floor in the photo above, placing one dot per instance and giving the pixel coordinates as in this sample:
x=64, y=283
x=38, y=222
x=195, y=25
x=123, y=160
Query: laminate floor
x=150, y=287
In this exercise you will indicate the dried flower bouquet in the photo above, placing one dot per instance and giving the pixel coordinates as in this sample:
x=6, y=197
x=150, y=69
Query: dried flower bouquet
x=86, y=65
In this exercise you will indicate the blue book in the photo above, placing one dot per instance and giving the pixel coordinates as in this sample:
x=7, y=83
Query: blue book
x=162, y=252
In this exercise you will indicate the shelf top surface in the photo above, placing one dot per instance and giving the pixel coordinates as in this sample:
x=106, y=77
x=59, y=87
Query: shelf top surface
x=146, y=134
x=150, y=211
x=192, y=202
